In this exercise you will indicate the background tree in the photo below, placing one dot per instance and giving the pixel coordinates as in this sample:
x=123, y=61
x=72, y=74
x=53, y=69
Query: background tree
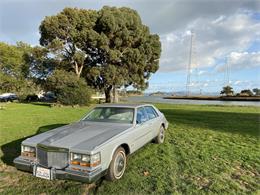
x=246, y=92
x=227, y=90
x=256, y=91
x=110, y=48
x=12, y=61
x=15, y=70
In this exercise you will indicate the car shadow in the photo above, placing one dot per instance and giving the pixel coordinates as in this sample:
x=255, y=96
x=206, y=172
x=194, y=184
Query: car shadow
x=13, y=149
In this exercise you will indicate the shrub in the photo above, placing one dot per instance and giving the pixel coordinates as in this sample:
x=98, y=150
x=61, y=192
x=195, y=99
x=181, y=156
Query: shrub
x=246, y=92
x=68, y=88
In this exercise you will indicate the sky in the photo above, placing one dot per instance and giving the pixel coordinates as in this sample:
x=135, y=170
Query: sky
x=226, y=37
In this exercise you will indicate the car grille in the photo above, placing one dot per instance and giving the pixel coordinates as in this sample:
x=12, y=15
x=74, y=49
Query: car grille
x=51, y=158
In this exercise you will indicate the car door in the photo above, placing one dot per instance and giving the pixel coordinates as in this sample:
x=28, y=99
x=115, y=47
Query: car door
x=141, y=134
x=154, y=120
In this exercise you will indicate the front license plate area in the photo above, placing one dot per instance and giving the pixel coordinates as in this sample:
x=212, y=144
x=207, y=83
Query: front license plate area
x=43, y=173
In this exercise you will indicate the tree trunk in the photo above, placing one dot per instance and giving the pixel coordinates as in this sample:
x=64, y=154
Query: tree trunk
x=78, y=69
x=108, y=94
x=115, y=95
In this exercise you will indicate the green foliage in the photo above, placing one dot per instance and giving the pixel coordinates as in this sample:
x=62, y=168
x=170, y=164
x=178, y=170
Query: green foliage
x=207, y=150
x=69, y=89
x=39, y=63
x=20, y=86
x=227, y=90
x=12, y=60
x=256, y=91
x=110, y=48
x=21, y=66
x=246, y=92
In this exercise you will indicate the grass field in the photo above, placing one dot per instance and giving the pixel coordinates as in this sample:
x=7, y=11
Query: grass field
x=208, y=149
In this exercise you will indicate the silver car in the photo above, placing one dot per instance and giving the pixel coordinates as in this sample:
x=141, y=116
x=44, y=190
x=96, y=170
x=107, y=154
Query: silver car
x=95, y=146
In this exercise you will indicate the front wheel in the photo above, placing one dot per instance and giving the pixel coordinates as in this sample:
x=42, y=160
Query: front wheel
x=117, y=166
x=159, y=139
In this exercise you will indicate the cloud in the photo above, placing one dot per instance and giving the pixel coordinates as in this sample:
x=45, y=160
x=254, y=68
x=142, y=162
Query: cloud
x=223, y=29
x=240, y=60
x=215, y=39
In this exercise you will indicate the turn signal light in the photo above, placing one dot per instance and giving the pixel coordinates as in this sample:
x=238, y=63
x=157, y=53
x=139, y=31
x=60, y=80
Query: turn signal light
x=28, y=154
x=89, y=165
x=84, y=164
x=75, y=162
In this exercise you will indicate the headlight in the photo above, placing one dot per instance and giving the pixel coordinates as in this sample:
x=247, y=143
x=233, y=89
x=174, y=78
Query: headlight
x=85, y=159
x=28, y=151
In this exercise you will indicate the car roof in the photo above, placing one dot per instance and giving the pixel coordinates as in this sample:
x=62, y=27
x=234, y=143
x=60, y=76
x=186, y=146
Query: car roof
x=123, y=105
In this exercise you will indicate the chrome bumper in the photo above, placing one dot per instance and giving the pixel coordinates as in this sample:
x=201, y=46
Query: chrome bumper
x=65, y=174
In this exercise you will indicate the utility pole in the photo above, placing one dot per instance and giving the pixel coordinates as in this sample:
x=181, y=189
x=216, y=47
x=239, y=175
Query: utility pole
x=192, y=63
x=226, y=76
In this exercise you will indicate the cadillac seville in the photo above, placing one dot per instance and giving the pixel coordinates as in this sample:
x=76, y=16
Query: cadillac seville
x=95, y=146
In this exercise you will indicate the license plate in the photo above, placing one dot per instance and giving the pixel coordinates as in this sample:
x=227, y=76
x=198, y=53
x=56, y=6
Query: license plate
x=43, y=173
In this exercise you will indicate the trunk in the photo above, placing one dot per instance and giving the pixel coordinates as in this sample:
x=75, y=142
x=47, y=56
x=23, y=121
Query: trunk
x=78, y=69
x=115, y=95
x=108, y=94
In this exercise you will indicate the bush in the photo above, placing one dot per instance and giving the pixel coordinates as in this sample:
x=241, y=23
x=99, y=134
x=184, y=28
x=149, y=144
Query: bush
x=246, y=92
x=68, y=88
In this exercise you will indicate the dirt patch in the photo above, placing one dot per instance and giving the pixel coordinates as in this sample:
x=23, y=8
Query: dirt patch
x=8, y=177
x=86, y=188
x=240, y=173
x=7, y=169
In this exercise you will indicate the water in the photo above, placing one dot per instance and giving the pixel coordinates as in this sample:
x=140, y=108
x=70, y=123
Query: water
x=159, y=99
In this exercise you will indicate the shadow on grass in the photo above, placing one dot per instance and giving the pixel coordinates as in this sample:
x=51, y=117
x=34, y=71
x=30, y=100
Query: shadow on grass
x=13, y=149
x=242, y=123
x=47, y=104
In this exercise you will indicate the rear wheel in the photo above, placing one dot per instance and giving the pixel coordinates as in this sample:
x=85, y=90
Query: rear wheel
x=117, y=166
x=159, y=139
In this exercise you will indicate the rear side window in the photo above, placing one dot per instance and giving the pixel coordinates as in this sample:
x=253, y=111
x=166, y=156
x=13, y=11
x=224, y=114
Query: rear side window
x=151, y=112
x=141, y=115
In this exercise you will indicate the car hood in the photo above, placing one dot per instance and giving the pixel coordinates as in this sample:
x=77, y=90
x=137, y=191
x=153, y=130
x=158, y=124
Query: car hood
x=80, y=136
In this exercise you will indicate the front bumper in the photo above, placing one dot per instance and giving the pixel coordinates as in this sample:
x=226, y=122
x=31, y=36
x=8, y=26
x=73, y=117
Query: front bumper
x=65, y=174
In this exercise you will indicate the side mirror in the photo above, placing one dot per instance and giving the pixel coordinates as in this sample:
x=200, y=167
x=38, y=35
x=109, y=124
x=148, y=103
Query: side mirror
x=138, y=122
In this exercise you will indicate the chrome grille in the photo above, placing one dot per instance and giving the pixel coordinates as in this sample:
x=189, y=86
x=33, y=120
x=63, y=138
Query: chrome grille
x=51, y=158
x=42, y=157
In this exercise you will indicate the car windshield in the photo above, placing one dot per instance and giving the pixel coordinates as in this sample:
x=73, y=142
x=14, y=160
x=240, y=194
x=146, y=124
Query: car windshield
x=111, y=114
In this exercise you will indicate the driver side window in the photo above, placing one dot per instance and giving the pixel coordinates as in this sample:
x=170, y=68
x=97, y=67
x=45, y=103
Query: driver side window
x=141, y=116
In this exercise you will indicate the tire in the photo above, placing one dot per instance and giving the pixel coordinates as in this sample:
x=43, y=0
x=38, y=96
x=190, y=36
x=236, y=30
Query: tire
x=159, y=139
x=117, y=166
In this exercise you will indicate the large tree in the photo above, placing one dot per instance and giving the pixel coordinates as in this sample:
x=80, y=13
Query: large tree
x=110, y=48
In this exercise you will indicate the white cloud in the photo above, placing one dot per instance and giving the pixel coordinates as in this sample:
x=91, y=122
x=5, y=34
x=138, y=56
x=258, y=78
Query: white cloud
x=221, y=27
x=240, y=60
x=215, y=39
